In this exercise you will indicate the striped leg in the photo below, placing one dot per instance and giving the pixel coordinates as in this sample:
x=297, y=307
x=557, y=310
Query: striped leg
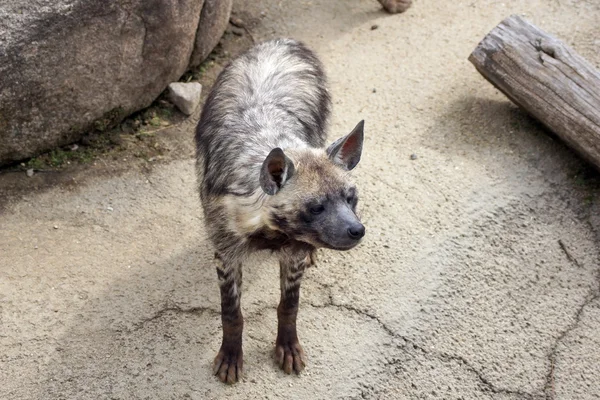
x=288, y=352
x=229, y=362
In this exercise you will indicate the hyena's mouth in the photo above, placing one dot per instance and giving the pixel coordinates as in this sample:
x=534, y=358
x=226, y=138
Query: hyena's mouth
x=343, y=248
x=337, y=246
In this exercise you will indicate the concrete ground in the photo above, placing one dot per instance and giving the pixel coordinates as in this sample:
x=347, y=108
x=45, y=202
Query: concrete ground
x=478, y=279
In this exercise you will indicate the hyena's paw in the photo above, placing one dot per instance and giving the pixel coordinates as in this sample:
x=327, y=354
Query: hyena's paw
x=228, y=365
x=395, y=6
x=290, y=357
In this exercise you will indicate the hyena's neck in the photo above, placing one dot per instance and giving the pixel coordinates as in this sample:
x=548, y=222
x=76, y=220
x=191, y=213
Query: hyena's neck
x=253, y=212
x=248, y=214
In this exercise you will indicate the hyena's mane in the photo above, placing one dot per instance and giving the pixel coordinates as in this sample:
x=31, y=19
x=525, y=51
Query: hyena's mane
x=275, y=95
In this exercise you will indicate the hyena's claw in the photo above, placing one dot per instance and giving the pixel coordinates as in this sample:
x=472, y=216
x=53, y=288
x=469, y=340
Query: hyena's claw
x=228, y=366
x=395, y=6
x=290, y=357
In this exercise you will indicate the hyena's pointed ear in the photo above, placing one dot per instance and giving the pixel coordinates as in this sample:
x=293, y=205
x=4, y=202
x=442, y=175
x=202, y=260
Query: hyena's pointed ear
x=276, y=170
x=346, y=151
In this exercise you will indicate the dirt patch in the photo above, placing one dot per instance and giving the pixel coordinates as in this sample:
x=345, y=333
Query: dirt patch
x=478, y=277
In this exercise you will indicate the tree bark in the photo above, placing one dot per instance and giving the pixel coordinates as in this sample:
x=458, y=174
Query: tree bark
x=546, y=78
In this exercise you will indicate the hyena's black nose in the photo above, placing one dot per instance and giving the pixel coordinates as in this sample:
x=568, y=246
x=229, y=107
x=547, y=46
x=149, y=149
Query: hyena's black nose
x=356, y=231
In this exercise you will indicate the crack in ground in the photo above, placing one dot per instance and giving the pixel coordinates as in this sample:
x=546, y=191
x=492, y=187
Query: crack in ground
x=570, y=256
x=200, y=311
x=488, y=385
x=549, y=389
x=173, y=308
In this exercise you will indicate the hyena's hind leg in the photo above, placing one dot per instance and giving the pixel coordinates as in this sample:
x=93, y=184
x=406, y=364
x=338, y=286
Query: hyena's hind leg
x=395, y=6
x=289, y=355
x=229, y=361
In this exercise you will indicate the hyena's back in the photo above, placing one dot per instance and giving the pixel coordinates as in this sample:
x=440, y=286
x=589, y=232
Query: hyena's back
x=275, y=95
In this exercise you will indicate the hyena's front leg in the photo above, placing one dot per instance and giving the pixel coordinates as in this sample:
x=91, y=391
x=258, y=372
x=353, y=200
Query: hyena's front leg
x=288, y=352
x=229, y=361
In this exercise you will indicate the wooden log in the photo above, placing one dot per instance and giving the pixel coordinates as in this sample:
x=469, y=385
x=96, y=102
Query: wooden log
x=546, y=78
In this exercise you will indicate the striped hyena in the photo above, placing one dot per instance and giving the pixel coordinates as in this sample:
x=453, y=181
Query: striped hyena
x=268, y=182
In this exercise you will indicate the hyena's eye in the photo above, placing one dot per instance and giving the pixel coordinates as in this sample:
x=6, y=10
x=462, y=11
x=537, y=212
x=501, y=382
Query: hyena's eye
x=350, y=195
x=316, y=210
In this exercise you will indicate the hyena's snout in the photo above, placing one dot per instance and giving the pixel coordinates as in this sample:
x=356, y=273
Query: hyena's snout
x=350, y=225
x=345, y=230
x=356, y=231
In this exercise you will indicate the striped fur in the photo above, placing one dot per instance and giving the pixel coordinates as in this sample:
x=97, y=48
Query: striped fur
x=267, y=182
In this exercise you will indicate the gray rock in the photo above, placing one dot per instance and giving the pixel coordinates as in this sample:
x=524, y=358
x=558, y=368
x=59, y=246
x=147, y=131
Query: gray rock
x=237, y=31
x=186, y=96
x=213, y=22
x=67, y=66
x=235, y=21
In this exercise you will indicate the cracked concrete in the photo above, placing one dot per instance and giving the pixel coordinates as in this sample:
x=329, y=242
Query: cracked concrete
x=479, y=277
x=584, y=382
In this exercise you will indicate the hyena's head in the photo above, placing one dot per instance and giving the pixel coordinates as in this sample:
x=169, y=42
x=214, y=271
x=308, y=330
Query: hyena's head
x=311, y=198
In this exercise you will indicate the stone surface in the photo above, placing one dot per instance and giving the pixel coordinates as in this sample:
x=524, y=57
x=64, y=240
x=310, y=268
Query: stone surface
x=186, y=96
x=395, y=6
x=213, y=22
x=67, y=66
x=460, y=289
x=575, y=365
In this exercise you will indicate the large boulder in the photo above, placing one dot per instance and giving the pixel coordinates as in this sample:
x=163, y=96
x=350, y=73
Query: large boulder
x=213, y=22
x=67, y=66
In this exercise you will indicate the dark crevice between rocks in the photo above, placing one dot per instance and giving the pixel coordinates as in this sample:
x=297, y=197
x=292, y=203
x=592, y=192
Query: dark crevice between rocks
x=145, y=43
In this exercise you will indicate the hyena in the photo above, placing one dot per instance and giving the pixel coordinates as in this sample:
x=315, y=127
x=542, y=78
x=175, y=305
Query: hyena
x=267, y=182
